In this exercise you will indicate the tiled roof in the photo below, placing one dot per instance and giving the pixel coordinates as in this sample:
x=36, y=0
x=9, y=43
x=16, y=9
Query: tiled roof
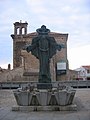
x=86, y=67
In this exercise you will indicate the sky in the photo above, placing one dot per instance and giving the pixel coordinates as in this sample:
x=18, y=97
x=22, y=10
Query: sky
x=62, y=16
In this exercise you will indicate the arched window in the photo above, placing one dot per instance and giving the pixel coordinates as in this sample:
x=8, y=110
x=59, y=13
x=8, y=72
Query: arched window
x=23, y=30
x=18, y=31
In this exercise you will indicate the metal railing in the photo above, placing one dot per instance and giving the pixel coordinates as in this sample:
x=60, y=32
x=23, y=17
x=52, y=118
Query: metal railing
x=72, y=83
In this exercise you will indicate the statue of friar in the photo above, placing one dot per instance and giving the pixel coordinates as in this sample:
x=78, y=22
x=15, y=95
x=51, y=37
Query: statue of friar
x=43, y=47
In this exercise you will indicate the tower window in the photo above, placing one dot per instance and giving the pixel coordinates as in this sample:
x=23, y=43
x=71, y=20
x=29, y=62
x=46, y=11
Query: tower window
x=17, y=31
x=23, y=30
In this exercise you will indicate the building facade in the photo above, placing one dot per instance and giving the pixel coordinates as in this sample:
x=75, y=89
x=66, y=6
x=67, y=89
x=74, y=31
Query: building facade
x=58, y=63
x=83, y=73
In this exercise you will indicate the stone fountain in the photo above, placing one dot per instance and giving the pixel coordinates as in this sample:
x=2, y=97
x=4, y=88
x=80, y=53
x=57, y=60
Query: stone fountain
x=44, y=96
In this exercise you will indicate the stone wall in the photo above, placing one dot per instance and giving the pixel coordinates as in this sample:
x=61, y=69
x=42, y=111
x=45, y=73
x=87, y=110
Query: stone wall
x=12, y=75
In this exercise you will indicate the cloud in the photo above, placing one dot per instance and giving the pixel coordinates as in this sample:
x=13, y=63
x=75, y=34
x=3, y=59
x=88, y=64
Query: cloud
x=71, y=16
x=78, y=56
x=37, y=6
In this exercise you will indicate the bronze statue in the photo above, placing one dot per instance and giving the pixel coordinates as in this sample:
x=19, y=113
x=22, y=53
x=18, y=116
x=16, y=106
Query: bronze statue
x=43, y=47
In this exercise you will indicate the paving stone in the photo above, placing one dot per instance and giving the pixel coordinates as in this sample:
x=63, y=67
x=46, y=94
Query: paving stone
x=82, y=97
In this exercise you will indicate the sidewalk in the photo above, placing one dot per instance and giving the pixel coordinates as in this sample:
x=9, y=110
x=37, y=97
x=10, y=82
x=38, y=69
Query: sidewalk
x=82, y=99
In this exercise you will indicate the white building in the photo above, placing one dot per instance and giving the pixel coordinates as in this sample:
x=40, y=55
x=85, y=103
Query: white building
x=83, y=73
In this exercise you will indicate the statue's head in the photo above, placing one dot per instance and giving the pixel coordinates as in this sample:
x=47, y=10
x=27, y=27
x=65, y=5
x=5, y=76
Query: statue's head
x=43, y=27
x=43, y=30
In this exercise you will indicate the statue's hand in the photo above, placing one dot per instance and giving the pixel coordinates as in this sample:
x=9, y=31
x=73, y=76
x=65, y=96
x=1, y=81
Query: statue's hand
x=28, y=48
x=60, y=46
x=25, y=47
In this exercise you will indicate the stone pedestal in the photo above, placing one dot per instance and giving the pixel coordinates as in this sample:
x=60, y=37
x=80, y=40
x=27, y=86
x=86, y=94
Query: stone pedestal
x=72, y=107
x=44, y=86
x=45, y=99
